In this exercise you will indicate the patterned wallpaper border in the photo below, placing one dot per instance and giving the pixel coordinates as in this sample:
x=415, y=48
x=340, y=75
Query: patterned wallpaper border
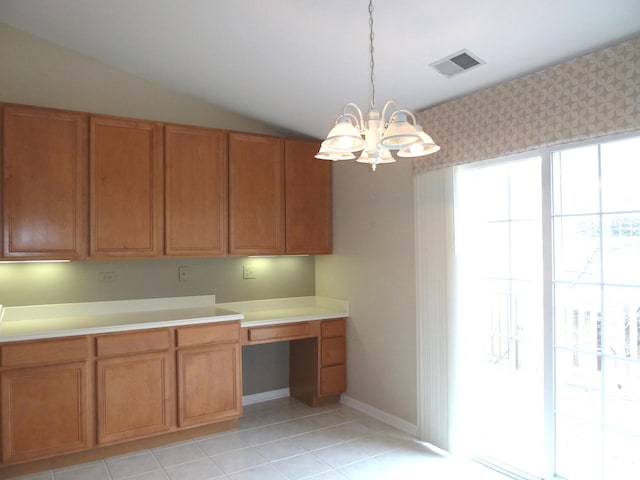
x=591, y=96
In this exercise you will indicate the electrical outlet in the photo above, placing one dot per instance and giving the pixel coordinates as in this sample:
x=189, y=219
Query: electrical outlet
x=183, y=274
x=107, y=277
x=248, y=272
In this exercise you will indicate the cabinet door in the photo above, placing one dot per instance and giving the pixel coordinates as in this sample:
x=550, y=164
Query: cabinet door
x=135, y=396
x=126, y=201
x=256, y=194
x=195, y=191
x=209, y=384
x=308, y=199
x=44, y=183
x=44, y=411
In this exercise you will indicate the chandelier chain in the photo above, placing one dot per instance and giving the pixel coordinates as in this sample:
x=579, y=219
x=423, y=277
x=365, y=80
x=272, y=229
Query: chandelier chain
x=371, y=62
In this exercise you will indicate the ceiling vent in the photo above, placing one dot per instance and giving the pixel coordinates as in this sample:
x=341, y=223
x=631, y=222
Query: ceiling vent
x=457, y=63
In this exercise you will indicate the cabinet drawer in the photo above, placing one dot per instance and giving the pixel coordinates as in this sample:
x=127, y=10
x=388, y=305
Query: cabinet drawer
x=280, y=332
x=334, y=328
x=333, y=351
x=136, y=342
x=202, y=334
x=45, y=352
x=333, y=380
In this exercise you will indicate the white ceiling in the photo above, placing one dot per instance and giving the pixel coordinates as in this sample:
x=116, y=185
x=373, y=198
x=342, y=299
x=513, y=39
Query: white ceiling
x=295, y=63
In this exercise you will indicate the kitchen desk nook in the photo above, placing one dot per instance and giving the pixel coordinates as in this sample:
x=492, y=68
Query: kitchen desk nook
x=84, y=377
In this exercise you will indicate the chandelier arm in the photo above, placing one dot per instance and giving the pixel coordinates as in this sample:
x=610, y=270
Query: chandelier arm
x=359, y=118
x=386, y=107
x=414, y=122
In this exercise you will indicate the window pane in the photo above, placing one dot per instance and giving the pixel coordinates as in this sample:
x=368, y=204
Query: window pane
x=621, y=247
x=622, y=395
x=578, y=317
x=621, y=329
x=526, y=237
x=577, y=248
x=525, y=192
x=492, y=185
x=620, y=174
x=494, y=249
x=579, y=449
x=576, y=181
x=578, y=385
x=621, y=450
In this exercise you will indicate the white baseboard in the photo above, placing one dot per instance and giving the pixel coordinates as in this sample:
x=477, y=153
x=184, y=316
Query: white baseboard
x=265, y=396
x=384, y=417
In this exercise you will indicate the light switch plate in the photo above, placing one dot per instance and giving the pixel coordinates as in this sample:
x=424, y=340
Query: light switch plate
x=183, y=274
x=248, y=272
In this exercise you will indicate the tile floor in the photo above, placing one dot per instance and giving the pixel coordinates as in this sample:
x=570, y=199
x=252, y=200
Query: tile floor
x=285, y=439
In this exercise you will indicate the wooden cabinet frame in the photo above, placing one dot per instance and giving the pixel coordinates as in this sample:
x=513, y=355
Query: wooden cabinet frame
x=126, y=188
x=135, y=396
x=196, y=192
x=209, y=384
x=45, y=395
x=317, y=357
x=44, y=183
x=102, y=390
x=209, y=372
x=308, y=204
x=256, y=195
x=77, y=186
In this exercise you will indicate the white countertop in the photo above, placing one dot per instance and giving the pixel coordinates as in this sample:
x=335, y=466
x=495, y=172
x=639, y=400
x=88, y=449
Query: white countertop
x=288, y=310
x=69, y=319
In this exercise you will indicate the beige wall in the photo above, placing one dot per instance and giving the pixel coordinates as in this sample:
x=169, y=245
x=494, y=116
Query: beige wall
x=373, y=266
x=45, y=283
x=36, y=72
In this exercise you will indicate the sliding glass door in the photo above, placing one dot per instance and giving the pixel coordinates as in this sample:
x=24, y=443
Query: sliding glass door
x=555, y=393
x=499, y=250
x=596, y=225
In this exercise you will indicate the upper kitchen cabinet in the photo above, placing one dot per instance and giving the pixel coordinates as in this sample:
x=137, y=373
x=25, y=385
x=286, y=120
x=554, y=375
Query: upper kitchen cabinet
x=256, y=195
x=308, y=199
x=126, y=188
x=196, y=178
x=44, y=183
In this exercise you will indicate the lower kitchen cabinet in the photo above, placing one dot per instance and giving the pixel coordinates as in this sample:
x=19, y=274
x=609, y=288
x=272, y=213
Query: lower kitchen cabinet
x=209, y=384
x=135, y=379
x=333, y=357
x=135, y=396
x=45, y=399
x=209, y=373
x=65, y=395
x=317, y=357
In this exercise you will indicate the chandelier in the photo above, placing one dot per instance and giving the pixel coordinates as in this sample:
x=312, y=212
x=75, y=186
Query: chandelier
x=381, y=137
